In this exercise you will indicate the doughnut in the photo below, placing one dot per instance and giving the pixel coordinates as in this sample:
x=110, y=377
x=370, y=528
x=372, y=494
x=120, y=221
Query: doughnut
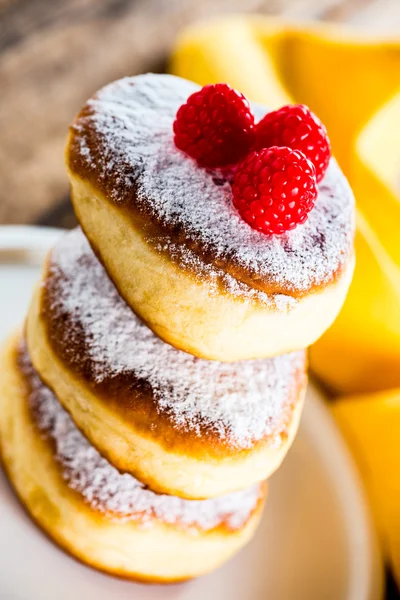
x=106, y=519
x=180, y=255
x=182, y=425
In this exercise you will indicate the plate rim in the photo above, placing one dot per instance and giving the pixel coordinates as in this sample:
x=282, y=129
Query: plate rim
x=366, y=569
x=28, y=237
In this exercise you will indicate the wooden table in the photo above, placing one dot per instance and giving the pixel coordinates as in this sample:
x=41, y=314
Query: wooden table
x=55, y=54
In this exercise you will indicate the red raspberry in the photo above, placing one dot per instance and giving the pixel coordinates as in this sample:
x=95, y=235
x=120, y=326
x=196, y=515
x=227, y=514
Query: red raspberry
x=215, y=126
x=275, y=189
x=297, y=127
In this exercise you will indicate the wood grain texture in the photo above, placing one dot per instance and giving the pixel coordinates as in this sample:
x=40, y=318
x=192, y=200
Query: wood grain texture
x=55, y=53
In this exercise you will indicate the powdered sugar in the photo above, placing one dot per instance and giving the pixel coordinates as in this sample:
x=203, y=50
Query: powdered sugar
x=121, y=495
x=131, y=122
x=239, y=403
x=215, y=277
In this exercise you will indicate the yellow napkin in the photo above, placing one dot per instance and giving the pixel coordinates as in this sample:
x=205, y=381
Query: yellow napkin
x=371, y=426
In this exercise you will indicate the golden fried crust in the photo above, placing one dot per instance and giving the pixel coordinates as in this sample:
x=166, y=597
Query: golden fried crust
x=160, y=552
x=144, y=442
x=184, y=426
x=117, y=172
x=190, y=312
x=133, y=399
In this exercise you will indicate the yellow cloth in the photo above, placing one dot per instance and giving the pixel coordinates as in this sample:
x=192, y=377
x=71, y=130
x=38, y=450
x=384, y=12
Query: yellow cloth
x=371, y=425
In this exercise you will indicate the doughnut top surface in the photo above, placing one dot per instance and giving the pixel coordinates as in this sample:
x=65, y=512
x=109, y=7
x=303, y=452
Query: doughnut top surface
x=122, y=143
x=121, y=495
x=101, y=340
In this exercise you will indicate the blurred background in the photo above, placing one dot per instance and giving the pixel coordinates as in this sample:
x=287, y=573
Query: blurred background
x=342, y=57
x=55, y=54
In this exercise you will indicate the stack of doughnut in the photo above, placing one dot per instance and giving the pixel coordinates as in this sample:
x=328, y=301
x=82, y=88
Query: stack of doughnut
x=160, y=376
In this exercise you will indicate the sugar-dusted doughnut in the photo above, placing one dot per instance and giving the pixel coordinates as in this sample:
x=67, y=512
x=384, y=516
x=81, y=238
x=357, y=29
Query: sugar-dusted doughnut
x=182, y=425
x=107, y=519
x=177, y=250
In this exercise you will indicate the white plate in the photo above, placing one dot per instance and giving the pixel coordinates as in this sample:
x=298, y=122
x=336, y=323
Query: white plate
x=315, y=541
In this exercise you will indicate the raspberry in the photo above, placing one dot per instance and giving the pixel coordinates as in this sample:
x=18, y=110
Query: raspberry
x=297, y=127
x=215, y=126
x=275, y=189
